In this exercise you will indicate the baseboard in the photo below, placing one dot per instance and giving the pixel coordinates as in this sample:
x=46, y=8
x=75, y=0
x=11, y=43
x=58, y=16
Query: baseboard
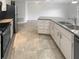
x=22, y=22
x=44, y=34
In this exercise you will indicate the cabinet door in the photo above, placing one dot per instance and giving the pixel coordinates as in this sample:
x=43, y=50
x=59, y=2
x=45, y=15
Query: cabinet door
x=66, y=47
x=57, y=37
x=52, y=29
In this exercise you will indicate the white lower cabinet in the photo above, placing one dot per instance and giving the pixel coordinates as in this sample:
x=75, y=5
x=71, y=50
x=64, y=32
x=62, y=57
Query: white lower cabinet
x=43, y=26
x=57, y=37
x=63, y=38
x=51, y=29
x=66, y=46
x=64, y=42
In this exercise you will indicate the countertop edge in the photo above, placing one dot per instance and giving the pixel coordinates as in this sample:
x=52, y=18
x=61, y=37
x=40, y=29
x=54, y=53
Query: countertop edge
x=61, y=26
x=5, y=20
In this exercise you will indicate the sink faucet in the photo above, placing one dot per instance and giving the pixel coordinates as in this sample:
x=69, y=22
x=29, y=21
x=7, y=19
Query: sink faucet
x=75, y=22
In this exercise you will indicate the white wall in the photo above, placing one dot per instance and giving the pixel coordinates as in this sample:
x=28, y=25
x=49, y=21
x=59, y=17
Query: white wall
x=31, y=11
x=72, y=10
x=50, y=9
x=21, y=9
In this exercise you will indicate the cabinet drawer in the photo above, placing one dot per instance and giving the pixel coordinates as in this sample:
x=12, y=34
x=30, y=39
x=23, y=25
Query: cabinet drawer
x=43, y=21
x=43, y=26
x=43, y=31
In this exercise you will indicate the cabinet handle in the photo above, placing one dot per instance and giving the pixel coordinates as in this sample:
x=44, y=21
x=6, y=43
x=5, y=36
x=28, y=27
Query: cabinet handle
x=58, y=34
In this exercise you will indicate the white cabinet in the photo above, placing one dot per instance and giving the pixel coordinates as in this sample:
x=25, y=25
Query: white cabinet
x=57, y=35
x=66, y=41
x=43, y=26
x=66, y=46
x=51, y=29
x=63, y=38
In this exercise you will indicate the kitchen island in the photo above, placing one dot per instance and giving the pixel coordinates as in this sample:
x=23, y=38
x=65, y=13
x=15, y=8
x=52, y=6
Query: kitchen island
x=66, y=39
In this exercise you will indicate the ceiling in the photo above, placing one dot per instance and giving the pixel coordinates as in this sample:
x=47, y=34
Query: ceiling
x=52, y=1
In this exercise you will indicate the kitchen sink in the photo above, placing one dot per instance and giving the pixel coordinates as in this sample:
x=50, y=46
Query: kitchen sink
x=69, y=25
x=64, y=23
x=73, y=27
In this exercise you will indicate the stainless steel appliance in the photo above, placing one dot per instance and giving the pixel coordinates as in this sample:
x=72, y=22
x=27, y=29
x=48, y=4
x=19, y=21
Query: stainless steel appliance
x=5, y=37
x=76, y=48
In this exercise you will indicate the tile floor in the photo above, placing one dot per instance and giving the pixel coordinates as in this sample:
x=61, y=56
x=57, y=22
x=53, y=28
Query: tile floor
x=29, y=44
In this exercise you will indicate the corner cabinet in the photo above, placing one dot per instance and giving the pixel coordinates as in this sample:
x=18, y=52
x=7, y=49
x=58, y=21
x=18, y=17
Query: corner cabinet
x=43, y=26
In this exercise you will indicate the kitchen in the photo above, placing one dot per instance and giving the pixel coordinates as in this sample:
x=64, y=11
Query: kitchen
x=39, y=29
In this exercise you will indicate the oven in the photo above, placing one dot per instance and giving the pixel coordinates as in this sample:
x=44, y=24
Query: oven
x=5, y=38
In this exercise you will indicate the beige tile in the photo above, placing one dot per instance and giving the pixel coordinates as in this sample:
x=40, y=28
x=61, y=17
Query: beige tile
x=57, y=54
x=30, y=45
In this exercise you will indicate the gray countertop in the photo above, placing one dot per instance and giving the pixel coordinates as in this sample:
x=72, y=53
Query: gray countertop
x=57, y=20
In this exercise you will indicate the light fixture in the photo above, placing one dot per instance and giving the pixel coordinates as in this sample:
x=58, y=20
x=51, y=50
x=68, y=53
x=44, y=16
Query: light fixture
x=74, y=2
x=47, y=0
x=37, y=2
